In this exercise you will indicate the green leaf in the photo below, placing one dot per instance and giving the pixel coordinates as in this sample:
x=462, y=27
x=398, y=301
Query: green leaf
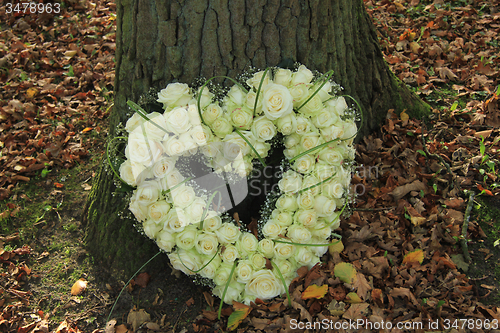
x=421, y=152
x=240, y=312
x=482, y=147
x=345, y=272
x=454, y=106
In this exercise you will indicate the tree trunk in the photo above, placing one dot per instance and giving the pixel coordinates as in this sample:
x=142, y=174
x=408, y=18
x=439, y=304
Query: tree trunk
x=167, y=40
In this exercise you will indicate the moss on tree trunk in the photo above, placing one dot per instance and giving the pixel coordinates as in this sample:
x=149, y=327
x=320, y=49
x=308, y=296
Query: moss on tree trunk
x=161, y=41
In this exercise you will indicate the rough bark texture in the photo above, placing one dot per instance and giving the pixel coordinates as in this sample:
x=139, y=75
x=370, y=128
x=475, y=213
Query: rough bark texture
x=161, y=41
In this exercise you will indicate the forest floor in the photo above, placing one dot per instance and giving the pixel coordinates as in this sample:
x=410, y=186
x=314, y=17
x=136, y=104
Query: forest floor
x=405, y=236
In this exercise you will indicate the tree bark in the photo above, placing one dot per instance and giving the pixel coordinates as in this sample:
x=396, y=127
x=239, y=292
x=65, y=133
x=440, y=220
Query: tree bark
x=163, y=41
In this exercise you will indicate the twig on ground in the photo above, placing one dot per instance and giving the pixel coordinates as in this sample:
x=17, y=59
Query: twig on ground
x=465, y=226
x=373, y=209
x=443, y=162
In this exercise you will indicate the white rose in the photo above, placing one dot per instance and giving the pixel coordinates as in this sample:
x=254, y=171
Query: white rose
x=194, y=115
x=287, y=124
x=283, y=77
x=318, y=251
x=264, y=285
x=176, y=221
x=185, y=261
x=261, y=147
x=305, y=200
x=186, y=239
x=236, y=96
x=286, y=267
x=286, y=203
x=332, y=132
x=212, y=149
x=171, y=179
x=228, y=233
x=299, y=234
x=257, y=78
x=174, y=147
x=127, y=173
x=292, y=152
x=221, y=127
x=182, y=196
x=151, y=229
x=272, y=229
x=211, y=264
x=206, y=97
x=266, y=247
x=322, y=230
x=233, y=292
x=244, y=166
x=263, y=128
x=324, y=92
x=212, y=221
x=143, y=151
x=306, y=217
x=247, y=243
x=134, y=122
x=283, y=251
x=310, y=140
x=230, y=152
x=334, y=220
x=164, y=166
x=350, y=130
x=196, y=209
x=323, y=171
x=277, y=101
x=230, y=254
x=219, y=163
x=303, y=125
x=211, y=113
x=258, y=261
x=304, y=164
x=177, y=120
x=338, y=105
x=291, y=140
x=222, y=274
x=250, y=102
x=305, y=257
x=333, y=189
x=324, y=118
x=302, y=75
x=206, y=243
x=311, y=181
x=155, y=127
x=175, y=94
x=312, y=107
x=191, y=148
x=137, y=208
x=284, y=219
x=241, y=117
x=158, y=211
x=299, y=94
x=148, y=192
x=244, y=271
x=331, y=156
x=165, y=240
x=291, y=182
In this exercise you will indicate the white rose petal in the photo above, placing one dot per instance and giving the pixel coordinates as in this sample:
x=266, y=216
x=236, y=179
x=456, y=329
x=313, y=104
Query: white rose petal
x=263, y=128
x=165, y=240
x=277, y=101
x=228, y=233
x=206, y=243
x=185, y=261
x=230, y=254
x=244, y=271
x=175, y=94
x=264, y=285
x=158, y=211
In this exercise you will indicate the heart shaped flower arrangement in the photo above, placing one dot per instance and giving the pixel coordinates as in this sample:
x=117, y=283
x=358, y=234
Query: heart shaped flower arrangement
x=231, y=134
